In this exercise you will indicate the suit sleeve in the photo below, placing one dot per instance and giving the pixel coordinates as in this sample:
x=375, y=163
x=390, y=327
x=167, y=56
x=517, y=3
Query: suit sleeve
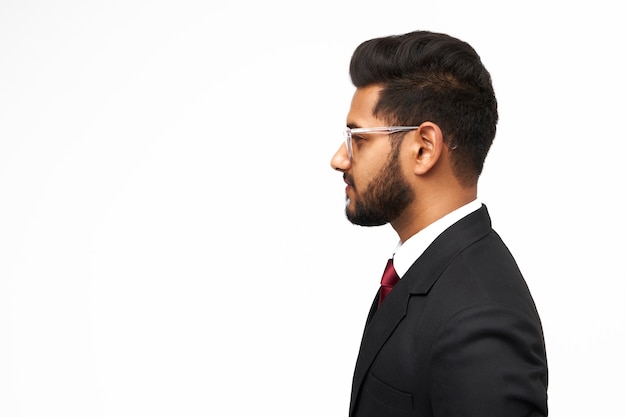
x=489, y=361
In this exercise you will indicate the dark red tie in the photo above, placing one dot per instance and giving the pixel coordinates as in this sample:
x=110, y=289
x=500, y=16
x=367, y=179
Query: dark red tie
x=389, y=279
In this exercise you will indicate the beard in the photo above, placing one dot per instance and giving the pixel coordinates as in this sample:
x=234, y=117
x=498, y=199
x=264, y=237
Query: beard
x=384, y=199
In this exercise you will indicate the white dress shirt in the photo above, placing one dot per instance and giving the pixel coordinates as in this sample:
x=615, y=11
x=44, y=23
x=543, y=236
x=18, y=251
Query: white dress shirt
x=407, y=253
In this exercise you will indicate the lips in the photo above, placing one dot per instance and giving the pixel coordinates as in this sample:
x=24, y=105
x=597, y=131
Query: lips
x=348, y=180
x=349, y=185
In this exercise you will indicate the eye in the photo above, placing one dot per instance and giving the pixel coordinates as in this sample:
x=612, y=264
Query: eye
x=357, y=138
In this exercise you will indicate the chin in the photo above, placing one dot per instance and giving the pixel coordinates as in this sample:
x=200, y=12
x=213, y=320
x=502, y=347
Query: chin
x=360, y=219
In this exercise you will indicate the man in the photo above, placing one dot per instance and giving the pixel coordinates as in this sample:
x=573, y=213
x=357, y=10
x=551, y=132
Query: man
x=458, y=334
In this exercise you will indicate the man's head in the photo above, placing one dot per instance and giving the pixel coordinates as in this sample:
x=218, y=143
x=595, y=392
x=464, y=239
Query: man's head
x=429, y=81
x=434, y=77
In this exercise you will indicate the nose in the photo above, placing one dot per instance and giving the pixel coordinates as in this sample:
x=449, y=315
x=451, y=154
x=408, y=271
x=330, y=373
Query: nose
x=340, y=160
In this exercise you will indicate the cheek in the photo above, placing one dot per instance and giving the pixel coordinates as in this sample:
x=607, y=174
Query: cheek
x=405, y=167
x=370, y=163
x=363, y=176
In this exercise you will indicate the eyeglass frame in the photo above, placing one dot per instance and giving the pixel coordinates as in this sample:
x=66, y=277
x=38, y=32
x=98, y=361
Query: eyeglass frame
x=348, y=132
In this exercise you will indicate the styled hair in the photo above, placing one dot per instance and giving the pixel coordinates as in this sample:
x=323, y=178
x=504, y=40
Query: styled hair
x=427, y=76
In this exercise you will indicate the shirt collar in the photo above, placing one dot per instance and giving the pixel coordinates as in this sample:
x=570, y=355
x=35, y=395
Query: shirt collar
x=407, y=253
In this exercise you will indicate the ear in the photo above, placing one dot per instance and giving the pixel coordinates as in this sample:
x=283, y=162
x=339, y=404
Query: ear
x=427, y=147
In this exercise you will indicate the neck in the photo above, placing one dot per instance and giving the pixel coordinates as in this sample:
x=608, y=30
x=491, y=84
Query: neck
x=425, y=212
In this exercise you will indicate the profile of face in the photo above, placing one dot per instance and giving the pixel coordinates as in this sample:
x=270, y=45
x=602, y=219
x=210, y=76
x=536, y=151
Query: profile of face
x=377, y=191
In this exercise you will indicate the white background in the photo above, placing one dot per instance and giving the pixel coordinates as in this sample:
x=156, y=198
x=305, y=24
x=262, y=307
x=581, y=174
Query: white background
x=172, y=238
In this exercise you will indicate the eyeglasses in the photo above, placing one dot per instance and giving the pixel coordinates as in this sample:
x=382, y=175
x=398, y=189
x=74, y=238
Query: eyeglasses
x=349, y=133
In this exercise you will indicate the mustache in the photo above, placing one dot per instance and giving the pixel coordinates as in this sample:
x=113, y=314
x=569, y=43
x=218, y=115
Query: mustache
x=348, y=179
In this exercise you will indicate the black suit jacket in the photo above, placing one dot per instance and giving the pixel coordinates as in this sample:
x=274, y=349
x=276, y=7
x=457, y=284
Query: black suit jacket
x=459, y=335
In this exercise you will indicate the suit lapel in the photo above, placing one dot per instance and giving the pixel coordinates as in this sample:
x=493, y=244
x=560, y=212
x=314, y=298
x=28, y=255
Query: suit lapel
x=380, y=325
x=418, y=280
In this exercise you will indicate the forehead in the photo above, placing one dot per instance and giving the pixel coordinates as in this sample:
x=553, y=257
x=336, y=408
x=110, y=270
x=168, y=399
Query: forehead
x=364, y=101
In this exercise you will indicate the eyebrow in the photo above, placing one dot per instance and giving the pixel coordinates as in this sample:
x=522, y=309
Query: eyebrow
x=352, y=125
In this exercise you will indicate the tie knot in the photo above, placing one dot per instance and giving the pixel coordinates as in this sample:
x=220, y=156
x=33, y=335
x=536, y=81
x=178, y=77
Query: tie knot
x=390, y=276
x=389, y=279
